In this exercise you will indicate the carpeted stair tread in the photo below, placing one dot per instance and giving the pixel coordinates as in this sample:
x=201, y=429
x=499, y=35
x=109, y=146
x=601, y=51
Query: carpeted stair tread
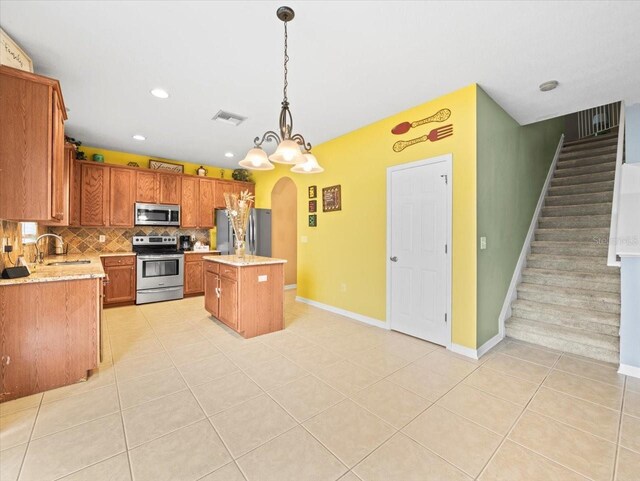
x=586, y=169
x=606, y=186
x=588, y=178
x=569, y=263
x=575, y=199
x=600, y=208
x=601, y=220
x=577, y=249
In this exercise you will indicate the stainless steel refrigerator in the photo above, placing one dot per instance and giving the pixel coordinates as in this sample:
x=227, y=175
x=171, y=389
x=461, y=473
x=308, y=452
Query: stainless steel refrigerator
x=258, y=233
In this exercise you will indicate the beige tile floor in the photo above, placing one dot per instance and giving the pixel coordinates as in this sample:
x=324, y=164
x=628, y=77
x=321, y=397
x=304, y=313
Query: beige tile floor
x=180, y=397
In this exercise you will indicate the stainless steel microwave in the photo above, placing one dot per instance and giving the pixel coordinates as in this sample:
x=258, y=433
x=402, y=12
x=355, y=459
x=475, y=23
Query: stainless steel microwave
x=157, y=214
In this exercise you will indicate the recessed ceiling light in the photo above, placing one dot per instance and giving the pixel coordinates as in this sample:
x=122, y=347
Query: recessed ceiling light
x=228, y=155
x=139, y=137
x=550, y=85
x=160, y=93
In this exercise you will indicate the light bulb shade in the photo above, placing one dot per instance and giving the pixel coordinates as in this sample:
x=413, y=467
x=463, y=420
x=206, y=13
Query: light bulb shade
x=288, y=152
x=256, y=159
x=309, y=166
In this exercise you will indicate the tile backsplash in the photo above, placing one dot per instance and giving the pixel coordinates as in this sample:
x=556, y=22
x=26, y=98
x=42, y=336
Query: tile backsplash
x=86, y=240
x=13, y=232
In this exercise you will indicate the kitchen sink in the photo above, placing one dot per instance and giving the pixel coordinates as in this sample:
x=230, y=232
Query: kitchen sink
x=69, y=263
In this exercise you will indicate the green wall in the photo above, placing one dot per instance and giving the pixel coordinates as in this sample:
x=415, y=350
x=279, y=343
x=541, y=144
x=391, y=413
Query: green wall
x=513, y=162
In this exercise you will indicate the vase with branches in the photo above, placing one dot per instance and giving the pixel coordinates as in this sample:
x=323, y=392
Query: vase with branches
x=238, y=210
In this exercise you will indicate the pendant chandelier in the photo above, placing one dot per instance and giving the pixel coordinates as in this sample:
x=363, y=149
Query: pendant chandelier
x=292, y=148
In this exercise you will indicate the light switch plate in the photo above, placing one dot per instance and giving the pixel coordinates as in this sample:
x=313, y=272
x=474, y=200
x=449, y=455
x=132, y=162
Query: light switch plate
x=483, y=243
x=263, y=278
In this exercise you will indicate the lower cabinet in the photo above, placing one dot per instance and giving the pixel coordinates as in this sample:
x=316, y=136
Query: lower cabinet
x=50, y=335
x=249, y=299
x=194, y=274
x=120, y=286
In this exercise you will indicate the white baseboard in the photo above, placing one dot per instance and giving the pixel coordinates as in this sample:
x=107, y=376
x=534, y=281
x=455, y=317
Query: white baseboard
x=290, y=287
x=481, y=351
x=351, y=315
x=628, y=370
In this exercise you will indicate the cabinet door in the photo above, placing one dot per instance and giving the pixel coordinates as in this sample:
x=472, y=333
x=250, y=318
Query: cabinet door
x=147, y=187
x=189, y=202
x=75, y=181
x=121, y=284
x=94, y=195
x=206, y=215
x=242, y=186
x=193, y=278
x=211, y=300
x=122, y=195
x=170, y=188
x=229, y=302
x=222, y=187
x=58, y=168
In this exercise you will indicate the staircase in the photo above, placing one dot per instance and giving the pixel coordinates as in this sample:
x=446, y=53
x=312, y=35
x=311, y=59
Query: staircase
x=568, y=299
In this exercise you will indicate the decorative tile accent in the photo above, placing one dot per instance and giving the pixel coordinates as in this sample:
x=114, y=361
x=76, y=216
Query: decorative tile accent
x=83, y=240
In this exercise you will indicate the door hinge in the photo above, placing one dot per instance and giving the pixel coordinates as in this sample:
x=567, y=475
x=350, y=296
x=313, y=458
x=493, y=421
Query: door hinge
x=446, y=178
x=446, y=249
x=445, y=317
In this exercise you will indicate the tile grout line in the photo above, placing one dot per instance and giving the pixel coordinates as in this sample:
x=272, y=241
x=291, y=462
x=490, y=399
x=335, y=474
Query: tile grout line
x=26, y=449
x=514, y=424
x=200, y=405
x=617, y=453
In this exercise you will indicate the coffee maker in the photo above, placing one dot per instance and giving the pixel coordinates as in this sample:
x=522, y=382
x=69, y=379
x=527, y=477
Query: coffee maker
x=184, y=243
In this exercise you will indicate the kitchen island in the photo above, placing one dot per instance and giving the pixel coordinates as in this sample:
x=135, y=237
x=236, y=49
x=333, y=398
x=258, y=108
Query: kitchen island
x=245, y=293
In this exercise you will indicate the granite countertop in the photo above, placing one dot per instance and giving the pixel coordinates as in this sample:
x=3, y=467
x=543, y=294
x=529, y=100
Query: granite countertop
x=201, y=252
x=116, y=254
x=244, y=261
x=46, y=273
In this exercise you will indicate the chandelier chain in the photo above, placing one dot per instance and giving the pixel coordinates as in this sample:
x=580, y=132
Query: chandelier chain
x=286, y=61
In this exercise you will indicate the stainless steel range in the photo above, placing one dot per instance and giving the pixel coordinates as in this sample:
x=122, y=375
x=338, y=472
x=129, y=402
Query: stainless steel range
x=160, y=269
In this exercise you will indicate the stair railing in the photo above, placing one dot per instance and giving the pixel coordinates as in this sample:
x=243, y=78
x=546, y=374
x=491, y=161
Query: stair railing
x=612, y=259
x=594, y=120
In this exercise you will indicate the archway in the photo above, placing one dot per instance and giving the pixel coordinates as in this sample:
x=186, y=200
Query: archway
x=284, y=228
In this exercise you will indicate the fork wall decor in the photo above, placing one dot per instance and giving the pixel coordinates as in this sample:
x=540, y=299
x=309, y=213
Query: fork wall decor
x=434, y=135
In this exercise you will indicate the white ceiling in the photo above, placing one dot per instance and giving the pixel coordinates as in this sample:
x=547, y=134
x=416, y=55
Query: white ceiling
x=352, y=63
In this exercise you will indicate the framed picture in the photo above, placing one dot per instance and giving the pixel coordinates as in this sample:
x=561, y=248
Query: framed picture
x=313, y=206
x=12, y=55
x=166, y=166
x=313, y=220
x=331, y=199
x=313, y=192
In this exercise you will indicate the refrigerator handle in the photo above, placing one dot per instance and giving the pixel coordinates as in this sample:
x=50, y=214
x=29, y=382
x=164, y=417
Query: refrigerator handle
x=252, y=234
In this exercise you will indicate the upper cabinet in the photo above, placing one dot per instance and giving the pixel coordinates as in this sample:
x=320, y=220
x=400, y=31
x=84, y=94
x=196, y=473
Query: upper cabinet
x=122, y=197
x=190, y=202
x=206, y=206
x=33, y=177
x=147, y=187
x=94, y=195
x=75, y=184
x=170, y=188
x=223, y=187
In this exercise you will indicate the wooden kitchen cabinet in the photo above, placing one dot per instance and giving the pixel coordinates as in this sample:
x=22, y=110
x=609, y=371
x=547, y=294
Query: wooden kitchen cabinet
x=170, y=188
x=122, y=191
x=49, y=335
x=120, y=286
x=222, y=187
x=190, y=202
x=249, y=298
x=94, y=195
x=194, y=272
x=33, y=180
x=147, y=187
x=75, y=185
x=242, y=186
x=211, y=286
x=206, y=205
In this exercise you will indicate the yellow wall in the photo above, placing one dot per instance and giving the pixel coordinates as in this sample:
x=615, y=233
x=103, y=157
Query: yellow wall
x=123, y=158
x=343, y=264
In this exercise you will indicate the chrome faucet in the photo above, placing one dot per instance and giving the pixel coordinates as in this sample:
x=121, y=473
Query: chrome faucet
x=40, y=255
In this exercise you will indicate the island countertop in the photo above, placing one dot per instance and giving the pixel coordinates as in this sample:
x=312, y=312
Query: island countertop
x=46, y=273
x=246, y=261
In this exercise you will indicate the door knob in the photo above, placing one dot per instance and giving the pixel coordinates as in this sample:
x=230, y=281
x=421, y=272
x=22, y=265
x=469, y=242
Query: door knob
x=393, y=259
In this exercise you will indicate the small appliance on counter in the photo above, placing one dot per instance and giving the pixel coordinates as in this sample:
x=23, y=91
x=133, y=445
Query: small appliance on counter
x=160, y=269
x=185, y=244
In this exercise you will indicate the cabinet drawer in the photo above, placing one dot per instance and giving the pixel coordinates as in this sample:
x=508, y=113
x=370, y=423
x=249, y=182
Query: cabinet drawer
x=194, y=257
x=229, y=272
x=212, y=267
x=119, y=261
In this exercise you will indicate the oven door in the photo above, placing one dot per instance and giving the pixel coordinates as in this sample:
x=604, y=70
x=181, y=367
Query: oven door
x=157, y=214
x=160, y=271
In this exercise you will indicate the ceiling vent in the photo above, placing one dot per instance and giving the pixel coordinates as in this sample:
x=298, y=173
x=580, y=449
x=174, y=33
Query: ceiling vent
x=229, y=118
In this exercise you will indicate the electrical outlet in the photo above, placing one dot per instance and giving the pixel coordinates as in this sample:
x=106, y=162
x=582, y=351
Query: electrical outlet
x=102, y=238
x=483, y=243
x=5, y=242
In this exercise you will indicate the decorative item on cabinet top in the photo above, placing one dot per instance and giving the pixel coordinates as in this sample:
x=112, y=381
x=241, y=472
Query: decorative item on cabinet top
x=166, y=166
x=12, y=55
x=201, y=171
x=83, y=240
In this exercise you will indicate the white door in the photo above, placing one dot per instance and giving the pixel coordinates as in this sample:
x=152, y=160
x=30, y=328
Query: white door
x=419, y=218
